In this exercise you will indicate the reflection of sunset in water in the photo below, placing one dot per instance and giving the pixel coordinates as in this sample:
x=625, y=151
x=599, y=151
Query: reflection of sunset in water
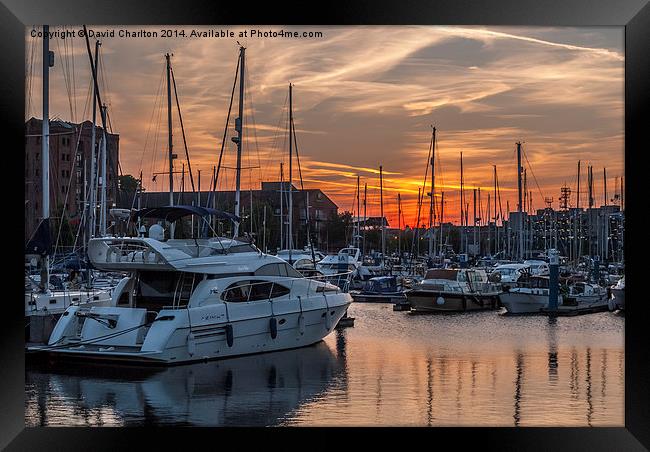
x=391, y=368
x=476, y=370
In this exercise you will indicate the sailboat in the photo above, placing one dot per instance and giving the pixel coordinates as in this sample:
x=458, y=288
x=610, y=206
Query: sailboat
x=44, y=305
x=304, y=260
x=195, y=299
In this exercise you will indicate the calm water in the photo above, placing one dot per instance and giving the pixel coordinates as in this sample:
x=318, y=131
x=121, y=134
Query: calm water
x=391, y=368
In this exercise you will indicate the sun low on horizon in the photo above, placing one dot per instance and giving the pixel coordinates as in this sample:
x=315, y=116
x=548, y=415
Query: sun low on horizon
x=362, y=96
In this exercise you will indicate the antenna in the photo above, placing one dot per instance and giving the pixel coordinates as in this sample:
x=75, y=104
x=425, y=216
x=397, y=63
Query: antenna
x=565, y=194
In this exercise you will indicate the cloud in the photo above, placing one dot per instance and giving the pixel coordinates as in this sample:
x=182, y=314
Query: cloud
x=364, y=96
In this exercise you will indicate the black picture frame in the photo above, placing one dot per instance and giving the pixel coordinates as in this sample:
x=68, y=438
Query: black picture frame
x=634, y=15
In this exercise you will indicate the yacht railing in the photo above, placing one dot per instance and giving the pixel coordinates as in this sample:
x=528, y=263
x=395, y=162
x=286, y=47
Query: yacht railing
x=133, y=250
x=71, y=297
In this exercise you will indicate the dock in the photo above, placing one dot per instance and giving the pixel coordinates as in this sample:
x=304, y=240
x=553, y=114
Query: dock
x=402, y=306
x=568, y=311
x=345, y=322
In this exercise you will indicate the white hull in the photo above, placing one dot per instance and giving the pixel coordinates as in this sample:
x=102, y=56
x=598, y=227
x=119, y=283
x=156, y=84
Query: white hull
x=172, y=341
x=524, y=303
x=619, y=298
x=231, y=391
x=55, y=302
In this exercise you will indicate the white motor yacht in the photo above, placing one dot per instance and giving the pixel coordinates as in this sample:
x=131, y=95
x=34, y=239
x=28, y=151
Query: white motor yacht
x=195, y=299
x=529, y=297
x=618, y=294
x=538, y=267
x=509, y=274
x=301, y=259
x=584, y=294
x=346, y=260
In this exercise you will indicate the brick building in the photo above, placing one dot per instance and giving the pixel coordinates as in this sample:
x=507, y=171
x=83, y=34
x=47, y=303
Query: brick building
x=266, y=199
x=70, y=146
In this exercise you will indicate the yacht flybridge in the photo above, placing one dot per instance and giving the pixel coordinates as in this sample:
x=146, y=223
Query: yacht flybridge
x=195, y=299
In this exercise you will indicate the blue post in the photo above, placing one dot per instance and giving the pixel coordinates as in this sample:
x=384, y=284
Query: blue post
x=596, y=269
x=553, y=280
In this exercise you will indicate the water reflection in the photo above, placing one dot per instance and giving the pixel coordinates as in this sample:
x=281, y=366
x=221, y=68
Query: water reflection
x=552, y=351
x=252, y=390
x=520, y=376
x=389, y=369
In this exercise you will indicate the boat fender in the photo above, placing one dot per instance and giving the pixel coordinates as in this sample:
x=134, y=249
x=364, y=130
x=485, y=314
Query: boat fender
x=274, y=327
x=229, y=335
x=611, y=305
x=109, y=254
x=191, y=344
x=301, y=324
x=440, y=301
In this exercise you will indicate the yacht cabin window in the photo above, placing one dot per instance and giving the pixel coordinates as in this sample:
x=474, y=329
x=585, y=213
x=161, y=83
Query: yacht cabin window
x=253, y=290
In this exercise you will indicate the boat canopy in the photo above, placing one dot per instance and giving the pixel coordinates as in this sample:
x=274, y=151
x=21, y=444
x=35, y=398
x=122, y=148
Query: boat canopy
x=442, y=273
x=173, y=213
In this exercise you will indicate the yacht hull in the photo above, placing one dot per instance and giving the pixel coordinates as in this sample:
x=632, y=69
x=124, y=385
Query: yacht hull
x=619, y=298
x=437, y=301
x=523, y=303
x=393, y=297
x=218, y=340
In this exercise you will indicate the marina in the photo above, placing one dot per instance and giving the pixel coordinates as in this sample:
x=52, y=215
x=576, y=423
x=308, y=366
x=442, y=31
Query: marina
x=472, y=369
x=281, y=294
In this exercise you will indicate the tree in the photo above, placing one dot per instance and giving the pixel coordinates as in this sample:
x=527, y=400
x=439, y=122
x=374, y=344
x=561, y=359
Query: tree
x=337, y=227
x=128, y=186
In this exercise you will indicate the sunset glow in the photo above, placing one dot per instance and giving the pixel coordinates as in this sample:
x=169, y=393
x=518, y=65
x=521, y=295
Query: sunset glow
x=364, y=97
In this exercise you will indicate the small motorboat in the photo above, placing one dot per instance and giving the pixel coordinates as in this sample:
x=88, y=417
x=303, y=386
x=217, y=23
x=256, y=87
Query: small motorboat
x=380, y=289
x=531, y=296
x=618, y=294
x=453, y=290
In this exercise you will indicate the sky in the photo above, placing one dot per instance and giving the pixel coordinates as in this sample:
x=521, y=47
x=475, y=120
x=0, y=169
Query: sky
x=363, y=96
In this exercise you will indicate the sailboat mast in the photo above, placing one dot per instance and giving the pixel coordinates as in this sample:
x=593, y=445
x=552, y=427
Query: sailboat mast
x=239, y=127
x=170, y=145
x=365, y=218
x=169, y=133
x=442, y=216
x=519, y=171
x=45, y=150
x=433, y=186
x=496, y=230
x=605, y=184
x=577, y=229
x=383, y=226
x=281, y=206
x=290, y=207
x=399, y=226
x=92, y=197
x=462, y=203
x=103, y=210
x=356, y=238
x=475, y=218
x=520, y=207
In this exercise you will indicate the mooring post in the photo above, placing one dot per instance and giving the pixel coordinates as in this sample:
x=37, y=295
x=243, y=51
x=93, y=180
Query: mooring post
x=596, y=269
x=553, y=280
